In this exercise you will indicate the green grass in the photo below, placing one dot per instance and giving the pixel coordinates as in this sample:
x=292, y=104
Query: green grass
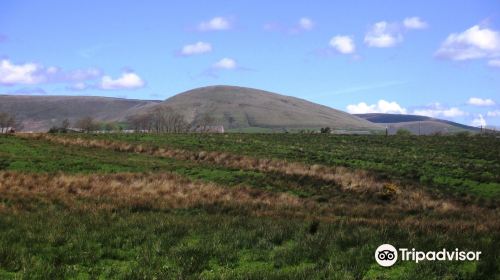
x=35, y=156
x=42, y=238
x=462, y=164
x=57, y=243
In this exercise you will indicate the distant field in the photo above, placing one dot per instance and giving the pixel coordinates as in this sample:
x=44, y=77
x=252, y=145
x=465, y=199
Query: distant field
x=245, y=206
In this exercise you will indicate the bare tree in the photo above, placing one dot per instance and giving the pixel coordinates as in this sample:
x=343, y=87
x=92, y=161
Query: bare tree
x=161, y=119
x=8, y=122
x=87, y=124
x=65, y=124
x=204, y=123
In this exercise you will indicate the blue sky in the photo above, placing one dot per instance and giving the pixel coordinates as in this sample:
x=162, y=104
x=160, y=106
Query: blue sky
x=437, y=58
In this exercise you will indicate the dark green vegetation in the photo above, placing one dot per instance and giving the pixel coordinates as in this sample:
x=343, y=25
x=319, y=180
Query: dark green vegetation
x=466, y=165
x=52, y=243
x=329, y=233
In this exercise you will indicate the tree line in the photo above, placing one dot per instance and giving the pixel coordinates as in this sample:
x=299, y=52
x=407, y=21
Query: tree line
x=161, y=119
x=164, y=119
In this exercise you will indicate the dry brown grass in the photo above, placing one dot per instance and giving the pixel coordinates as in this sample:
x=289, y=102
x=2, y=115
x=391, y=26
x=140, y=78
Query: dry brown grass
x=356, y=181
x=146, y=191
x=168, y=191
x=347, y=179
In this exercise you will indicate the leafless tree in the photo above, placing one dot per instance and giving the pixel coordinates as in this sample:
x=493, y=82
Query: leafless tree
x=161, y=119
x=8, y=122
x=203, y=123
x=65, y=124
x=87, y=124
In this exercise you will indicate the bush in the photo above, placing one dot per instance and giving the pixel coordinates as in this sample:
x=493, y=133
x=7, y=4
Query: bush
x=326, y=130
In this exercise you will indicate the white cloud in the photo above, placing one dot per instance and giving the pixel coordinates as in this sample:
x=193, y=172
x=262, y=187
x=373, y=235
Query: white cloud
x=382, y=106
x=196, y=48
x=476, y=101
x=225, y=63
x=28, y=73
x=32, y=73
x=479, y=121
x=437, y=110
x=306, y=23
x=434, y=113
x=475, y=42
x=495, y=113
x=494, y=63
x=216, y=23
x=128, y=80
x=383, y=35
x=414, y=23
x=343, y=44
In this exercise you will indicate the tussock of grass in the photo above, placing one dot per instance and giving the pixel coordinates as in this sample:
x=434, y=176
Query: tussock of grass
x=137, y=191
x=20, y=191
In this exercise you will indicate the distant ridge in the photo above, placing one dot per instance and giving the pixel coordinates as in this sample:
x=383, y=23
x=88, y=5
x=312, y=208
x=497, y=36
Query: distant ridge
x=39, y=113
x=416, y=123
x=236, y=108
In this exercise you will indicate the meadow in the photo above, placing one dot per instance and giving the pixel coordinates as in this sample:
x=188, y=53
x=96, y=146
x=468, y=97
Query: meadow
x=245, y=206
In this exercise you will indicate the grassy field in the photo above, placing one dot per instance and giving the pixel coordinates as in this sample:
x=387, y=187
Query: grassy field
x=253, y=206
x=462, y=164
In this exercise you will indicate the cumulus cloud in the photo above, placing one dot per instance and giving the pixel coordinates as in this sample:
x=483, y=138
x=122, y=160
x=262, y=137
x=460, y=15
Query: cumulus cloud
x=215, y=24
x=196, y=48
x=32, y=73
x=414, y=23
x=494, y=63
x=27, y=73
x=495, y=113
x=225, y=64
x=306, y=23
x=383, y=35
x=479, y=121
x=343, y=44
x=476, y=101
x=382, y=106
x=437, y=110
x=128, y=80
x=475, y=42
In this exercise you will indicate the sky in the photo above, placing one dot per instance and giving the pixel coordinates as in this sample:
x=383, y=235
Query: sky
x=433, y=58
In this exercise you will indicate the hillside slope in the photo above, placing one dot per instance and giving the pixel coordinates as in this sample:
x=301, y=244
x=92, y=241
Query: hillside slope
x=239, y=108
x=39, y=113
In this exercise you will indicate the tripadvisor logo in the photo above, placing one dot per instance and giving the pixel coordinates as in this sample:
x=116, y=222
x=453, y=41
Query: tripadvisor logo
x=386, y=255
